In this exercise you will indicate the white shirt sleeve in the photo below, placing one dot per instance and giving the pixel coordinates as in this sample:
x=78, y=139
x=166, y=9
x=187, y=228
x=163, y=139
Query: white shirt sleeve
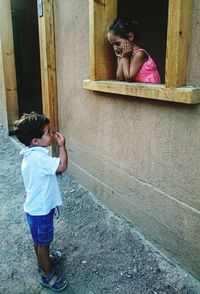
x=49, y=164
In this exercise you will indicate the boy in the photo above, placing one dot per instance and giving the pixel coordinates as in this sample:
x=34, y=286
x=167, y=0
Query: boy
x=43, y=195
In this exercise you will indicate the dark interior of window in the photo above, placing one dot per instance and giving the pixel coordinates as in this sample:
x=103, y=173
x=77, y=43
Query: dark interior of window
x=152, y=21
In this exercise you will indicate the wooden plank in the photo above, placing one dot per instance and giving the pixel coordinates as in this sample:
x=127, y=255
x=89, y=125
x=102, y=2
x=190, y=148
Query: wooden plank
x=3, y=92
x=188, y=95
x=8, y=62
x=177, y=42
x=48, y=63
x=101, y=13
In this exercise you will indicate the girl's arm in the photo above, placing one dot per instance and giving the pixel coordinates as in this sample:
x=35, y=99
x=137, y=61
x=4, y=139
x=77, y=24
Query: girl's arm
x=120, y=74
x=132, y=67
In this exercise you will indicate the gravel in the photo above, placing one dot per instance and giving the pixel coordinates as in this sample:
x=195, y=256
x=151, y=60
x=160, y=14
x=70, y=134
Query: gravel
x=101, y=252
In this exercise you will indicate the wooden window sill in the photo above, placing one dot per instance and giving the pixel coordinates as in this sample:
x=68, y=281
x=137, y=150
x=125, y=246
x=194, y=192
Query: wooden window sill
x=187, y=94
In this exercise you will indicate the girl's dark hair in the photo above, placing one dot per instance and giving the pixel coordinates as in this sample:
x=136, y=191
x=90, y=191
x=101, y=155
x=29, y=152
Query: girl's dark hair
x=123, y=26
x=29, y=126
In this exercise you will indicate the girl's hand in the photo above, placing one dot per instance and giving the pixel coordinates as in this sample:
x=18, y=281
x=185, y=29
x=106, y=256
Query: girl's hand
x=118, y=55
x=60, y=139
x=127, y=49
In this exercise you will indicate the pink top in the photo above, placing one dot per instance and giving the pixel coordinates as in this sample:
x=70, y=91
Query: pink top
x=148, y=72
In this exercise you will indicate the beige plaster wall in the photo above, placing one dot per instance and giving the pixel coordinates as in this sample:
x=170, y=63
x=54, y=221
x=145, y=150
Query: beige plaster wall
x=140, y=157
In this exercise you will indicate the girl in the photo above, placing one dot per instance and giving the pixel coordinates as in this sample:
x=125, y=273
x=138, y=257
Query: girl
x=134, y=63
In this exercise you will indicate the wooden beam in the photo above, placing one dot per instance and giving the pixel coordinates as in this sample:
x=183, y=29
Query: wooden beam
x=8, y=62
x=177, y=42
x=48, y=62
x=101, y=13
x=188, y=95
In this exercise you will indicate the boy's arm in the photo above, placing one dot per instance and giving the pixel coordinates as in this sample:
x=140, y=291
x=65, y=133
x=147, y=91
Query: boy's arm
x=63, y=153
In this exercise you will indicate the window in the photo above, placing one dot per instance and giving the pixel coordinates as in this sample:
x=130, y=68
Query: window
x=173, y=63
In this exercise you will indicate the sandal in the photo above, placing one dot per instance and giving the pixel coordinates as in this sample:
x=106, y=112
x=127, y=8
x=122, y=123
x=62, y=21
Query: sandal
x=55, y=257
x=53, y=282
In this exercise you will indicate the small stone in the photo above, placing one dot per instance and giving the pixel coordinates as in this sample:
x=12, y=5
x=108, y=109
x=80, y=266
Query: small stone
x=71, y=191
x=135, y=269
x=129, y=273
x=84, y=262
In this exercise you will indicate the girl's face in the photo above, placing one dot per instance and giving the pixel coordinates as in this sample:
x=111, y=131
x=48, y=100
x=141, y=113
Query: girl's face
x=117, y=43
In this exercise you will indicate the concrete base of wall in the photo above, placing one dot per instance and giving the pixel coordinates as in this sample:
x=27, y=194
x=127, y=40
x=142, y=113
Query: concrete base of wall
x=168, y=223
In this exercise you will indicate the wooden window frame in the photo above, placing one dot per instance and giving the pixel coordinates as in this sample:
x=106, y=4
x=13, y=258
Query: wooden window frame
x=101, y=13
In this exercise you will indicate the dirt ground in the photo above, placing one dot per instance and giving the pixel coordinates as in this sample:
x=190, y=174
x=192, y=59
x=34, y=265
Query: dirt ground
x=102, y=254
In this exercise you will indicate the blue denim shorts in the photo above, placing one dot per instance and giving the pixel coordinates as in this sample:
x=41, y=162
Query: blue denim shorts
x=41, y=227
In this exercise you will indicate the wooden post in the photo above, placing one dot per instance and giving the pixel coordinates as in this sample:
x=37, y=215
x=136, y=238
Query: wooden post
x=8, y=62
x=48, y=61
x=101, y=13
x=177, y=42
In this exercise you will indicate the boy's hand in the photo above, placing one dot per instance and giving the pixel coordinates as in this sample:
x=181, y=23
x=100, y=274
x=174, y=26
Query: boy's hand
x=60, y=139
x=127, y=49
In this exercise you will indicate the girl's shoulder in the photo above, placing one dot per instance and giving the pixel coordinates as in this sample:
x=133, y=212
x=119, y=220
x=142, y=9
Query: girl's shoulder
x=140, y=54
x=140, y=51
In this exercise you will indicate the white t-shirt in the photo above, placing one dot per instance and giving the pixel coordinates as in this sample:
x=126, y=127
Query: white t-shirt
x=38, y=171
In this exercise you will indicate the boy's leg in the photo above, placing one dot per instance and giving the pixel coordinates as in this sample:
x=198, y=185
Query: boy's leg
x=36, y=250
x=49, y=278
x=42, y=233
x=44, y=259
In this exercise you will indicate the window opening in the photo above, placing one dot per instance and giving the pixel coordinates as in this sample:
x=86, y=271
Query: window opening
x=152, y=22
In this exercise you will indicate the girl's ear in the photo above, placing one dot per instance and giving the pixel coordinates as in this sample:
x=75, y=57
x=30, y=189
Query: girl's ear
x=130, y=37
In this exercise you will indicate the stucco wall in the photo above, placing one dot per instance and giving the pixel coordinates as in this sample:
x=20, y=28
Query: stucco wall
x=140, y=157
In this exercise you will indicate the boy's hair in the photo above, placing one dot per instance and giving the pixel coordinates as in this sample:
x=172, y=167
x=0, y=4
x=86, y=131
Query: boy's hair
x=29, y=126
x=123, y=26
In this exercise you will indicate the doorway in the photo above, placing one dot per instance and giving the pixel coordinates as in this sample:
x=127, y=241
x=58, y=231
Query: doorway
x=27, y=55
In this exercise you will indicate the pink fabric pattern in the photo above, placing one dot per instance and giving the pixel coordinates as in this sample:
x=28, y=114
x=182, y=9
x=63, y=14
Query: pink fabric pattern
x=148, y=72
